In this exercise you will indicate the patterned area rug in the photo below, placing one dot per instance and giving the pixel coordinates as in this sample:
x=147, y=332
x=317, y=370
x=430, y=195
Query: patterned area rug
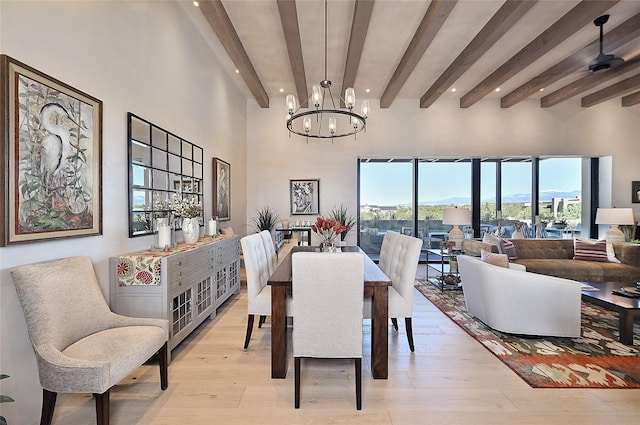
x=595, y=360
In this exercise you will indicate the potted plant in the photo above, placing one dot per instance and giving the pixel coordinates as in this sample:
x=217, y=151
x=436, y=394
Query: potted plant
x=342, y=216
x=266, y=219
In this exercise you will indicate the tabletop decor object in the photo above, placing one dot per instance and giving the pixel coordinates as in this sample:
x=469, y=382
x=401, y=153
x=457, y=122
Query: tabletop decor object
x=189, y=209
x=328, y=229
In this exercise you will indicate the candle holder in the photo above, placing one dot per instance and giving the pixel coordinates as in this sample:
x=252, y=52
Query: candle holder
x=212, y=227
x=164, y=234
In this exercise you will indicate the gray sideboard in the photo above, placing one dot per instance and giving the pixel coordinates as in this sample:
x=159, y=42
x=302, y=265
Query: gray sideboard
x=184, y=286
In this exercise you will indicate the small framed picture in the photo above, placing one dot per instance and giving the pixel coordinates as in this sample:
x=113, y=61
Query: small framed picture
x=635, y=192
x=305, y=196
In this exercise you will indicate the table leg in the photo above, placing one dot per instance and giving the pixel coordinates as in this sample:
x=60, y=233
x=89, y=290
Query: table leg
x=379, y=332
x=626, y=327
x=278, y=332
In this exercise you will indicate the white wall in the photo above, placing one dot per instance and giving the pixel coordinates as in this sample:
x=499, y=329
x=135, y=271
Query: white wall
x=405, y=130
x=140, y=57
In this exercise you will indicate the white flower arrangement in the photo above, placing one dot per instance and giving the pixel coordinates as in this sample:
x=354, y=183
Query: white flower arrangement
x=180, y=206
x=188, y=207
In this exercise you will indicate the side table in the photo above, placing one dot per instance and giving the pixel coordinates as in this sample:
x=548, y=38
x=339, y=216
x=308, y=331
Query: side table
x=299, y=230
x=445, y=269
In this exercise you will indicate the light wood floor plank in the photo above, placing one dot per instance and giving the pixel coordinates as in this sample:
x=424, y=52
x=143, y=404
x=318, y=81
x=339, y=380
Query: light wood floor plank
x=450, y=379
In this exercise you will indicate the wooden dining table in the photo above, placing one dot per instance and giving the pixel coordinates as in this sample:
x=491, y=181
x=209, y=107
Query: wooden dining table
x=376, y=286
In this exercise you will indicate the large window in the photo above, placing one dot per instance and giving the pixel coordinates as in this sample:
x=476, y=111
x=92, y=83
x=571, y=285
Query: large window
x=386, y=201
x=410, y=195
x=441, y=184
x=560, y=203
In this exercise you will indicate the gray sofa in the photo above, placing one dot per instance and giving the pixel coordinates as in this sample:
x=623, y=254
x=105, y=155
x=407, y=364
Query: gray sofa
x=554, y=257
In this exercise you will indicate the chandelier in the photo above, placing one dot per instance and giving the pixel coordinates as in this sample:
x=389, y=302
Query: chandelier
x=328, y=121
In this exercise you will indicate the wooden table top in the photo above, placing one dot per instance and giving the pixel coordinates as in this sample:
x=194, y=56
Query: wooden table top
x=604, y=294
x=373, y=276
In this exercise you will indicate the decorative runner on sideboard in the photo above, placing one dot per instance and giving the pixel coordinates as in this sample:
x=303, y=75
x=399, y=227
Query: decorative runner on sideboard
x=595, y=360
x=143, y=267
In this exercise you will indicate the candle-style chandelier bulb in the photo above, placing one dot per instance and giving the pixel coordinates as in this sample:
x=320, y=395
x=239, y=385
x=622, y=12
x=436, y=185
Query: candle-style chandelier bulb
x=350, y=97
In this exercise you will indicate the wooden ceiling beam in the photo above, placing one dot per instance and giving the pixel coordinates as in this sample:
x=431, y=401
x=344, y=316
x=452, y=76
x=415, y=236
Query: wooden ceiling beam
x=623, y=33
x=577, y=18
x=361, y=17
x=625, y=86
x=631, y=100
x=510, y=13
x=217, y=17
x=587, y=82
x=289, y=19
x=433, y=19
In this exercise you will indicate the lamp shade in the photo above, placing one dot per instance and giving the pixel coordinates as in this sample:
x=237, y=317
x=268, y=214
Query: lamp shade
x=620, y=216
x=456, y=216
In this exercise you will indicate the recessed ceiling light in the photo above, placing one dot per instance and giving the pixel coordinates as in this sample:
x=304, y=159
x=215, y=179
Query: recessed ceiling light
x=368, y=90
x=237, y=71
x=542, y=89
x=498, y=89
x=281, y=90
x=196, y=4
x=453, y=90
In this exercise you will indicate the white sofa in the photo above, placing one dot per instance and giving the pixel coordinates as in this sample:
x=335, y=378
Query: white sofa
x=514, y=301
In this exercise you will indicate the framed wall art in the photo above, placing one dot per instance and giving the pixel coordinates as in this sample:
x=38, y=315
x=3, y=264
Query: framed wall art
x=51, y=138
x=305, y=196
x=221, y=189
x=635, y=192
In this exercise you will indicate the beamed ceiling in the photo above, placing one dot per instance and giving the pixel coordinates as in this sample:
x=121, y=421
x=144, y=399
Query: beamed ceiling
x=429, y=50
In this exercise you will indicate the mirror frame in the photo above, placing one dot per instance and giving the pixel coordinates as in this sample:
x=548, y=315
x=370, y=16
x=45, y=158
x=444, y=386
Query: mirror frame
x=171, y=165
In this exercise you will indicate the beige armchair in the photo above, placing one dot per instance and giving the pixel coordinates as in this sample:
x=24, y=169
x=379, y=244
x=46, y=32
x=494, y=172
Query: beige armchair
x=80, y=345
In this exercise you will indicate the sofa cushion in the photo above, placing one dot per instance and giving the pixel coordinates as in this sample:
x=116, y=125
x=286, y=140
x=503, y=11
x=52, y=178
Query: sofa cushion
x=582, y=270
x=499, y=260
x=611, y=253
x=509, y=249
x=544, y=248
x=589, y=250
x=488, y=238
x=473, y=247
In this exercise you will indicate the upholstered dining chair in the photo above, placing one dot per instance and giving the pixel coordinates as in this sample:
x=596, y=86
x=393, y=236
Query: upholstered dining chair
x=327, y=289
x=399, y=256
x=80, y=345
x=270, y=250
x=256, y=267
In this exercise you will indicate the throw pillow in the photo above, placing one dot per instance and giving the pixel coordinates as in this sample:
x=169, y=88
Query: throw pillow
x=586, y=249
x=499, y=260
x=507, y=247
x=611, y=255
x=227, y=231
x=492, y=240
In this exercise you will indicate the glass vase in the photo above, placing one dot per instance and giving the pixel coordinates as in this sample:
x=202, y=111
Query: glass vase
x=190, y=229
x=163, y=234
x=327, y=246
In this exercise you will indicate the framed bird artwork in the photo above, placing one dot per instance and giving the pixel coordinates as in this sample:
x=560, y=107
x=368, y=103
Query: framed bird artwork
x=51, y=138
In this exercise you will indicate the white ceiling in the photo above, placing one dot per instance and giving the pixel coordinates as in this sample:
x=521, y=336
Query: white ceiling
x=392, y=25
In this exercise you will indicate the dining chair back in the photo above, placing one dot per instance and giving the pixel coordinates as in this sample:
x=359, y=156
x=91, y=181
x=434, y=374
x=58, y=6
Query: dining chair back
x=327, y=289
x=80, y=345
x=270, y=250
x=399, y=256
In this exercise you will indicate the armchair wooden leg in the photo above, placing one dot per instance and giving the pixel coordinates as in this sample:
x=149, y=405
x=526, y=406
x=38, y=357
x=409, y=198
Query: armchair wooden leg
x=48, y=405
x=261, y=321
x=297, y=382
x=394, y=321
x=249, y=329
x=409, y=328
x=163, y=360
x=359, y=383
x=102, y=408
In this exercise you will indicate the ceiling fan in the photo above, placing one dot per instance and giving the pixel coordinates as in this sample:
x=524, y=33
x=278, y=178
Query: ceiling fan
x=603, y=62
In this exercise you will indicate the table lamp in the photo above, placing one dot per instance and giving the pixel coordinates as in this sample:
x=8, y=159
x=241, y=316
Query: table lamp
x=614, y=217
x=456, y=217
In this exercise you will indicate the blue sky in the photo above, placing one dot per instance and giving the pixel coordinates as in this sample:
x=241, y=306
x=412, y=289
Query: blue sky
x=390, y=183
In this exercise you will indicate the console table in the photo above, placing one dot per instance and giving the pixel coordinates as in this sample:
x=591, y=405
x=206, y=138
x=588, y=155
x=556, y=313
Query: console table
x=445, y=269
x=184, y=285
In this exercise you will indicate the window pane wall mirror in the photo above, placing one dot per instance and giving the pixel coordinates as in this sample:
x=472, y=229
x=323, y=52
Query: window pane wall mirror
x=160, y=164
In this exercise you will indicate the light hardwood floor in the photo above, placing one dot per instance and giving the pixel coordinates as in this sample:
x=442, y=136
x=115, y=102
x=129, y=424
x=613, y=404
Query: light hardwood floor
x=450, y=379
